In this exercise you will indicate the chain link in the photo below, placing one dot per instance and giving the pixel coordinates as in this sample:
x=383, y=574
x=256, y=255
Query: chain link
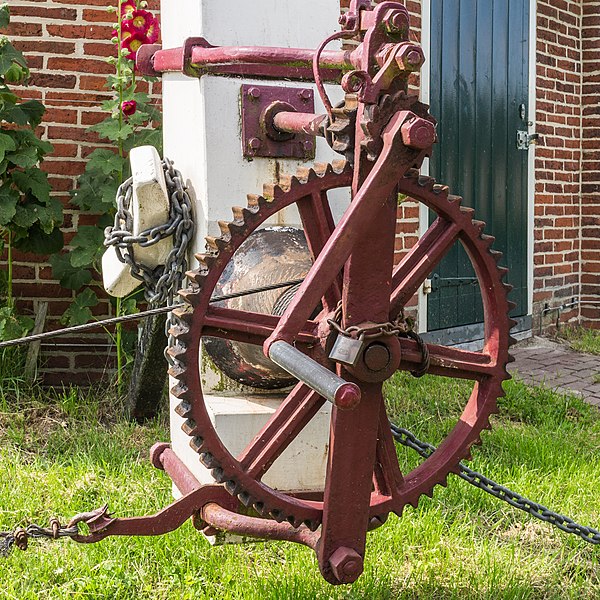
x=21, y=535
x=162, y=282
x=588, y=534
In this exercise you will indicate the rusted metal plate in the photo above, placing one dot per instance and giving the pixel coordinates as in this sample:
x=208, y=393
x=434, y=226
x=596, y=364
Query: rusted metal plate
x=260, y=103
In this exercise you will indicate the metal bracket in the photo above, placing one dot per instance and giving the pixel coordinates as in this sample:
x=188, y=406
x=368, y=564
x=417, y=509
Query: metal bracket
x=524, y=139
x=259, y=139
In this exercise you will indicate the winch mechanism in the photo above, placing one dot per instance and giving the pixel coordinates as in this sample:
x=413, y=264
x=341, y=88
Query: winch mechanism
x=341, y=331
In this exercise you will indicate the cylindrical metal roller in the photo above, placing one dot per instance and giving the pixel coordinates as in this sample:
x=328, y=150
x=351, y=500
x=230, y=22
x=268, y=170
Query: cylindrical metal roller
x=343, y=394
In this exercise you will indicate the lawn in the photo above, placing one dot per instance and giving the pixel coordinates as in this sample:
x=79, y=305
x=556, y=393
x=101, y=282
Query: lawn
x=582, y=339
x=67, y=452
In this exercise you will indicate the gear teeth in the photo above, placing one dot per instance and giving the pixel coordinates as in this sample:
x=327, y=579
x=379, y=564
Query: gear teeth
x=189, y=427
x=272, y=192
x=426, y=182
x=245, y=498
x=287, y=181
x=176, y=371
x=216, y=244
x=497, y=256
x=179, y=391
x=479, y=225
x=339, y=166
x=511, y=340
x=232, y=487
x=205, y=260
x=181, y=332
x=503, y=271
x=184, y=410
x=511, y=358
x=277, y=515
x=303, y=173
x=439, y=189
x=295, y=523
x=183, y=315
x=228, y=228
x=238, y=214
x=208, y=460
x=259, y=507
x=176, y=351
x=511, y=322
x=196, y=443
x=511, y=306
x=509, y=288
x=217, y=474
x=190, y=296
x=412, y=174
x=321, y=169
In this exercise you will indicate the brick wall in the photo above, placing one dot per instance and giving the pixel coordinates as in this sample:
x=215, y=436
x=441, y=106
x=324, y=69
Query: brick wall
x=590, y=171
x=65, y=43
x=558, y=161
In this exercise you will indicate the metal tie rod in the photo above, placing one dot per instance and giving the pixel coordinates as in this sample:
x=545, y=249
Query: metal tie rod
x=344, y=394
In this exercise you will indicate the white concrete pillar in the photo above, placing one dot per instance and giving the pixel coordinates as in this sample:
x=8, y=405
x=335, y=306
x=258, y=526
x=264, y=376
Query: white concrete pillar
x=201, y=119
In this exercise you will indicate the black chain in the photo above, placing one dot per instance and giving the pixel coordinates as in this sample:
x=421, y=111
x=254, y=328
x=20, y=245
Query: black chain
x=588, y=534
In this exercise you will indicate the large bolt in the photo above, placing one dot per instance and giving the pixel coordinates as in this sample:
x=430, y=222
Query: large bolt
x=305, y=95
x=410, y=57
x=346, y=564
x=156, y=452
x=418, y=133
x=376, y=357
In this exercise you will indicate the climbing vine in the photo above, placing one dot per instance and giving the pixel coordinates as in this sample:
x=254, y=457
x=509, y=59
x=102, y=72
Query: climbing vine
x=29, y=216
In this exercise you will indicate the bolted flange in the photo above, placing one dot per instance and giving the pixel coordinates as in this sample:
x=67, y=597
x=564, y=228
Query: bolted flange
x=410, y=57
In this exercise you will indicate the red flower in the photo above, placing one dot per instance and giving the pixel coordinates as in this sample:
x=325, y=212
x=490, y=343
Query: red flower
x=132, y=42
x=142, y=22
x=128, y=6
x=129, y=107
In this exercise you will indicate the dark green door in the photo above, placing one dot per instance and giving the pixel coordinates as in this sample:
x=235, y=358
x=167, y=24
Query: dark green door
x=479, y=69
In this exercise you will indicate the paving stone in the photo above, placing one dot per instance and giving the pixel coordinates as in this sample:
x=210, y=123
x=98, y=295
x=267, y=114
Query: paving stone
x=543, y=361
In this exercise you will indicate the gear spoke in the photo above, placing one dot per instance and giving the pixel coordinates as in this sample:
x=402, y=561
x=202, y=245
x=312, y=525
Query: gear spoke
x=448, y=361
x=318, y=224
x=388, y=479
x=245, y=326
x=423, y=257
x=300, y=406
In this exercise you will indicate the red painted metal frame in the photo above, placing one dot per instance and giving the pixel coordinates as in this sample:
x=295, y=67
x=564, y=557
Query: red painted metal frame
x=363, y=478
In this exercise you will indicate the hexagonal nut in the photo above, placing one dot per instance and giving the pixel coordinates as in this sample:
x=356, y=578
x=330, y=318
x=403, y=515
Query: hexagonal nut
x=418, y=133
x=410, y=57
x=346, y=564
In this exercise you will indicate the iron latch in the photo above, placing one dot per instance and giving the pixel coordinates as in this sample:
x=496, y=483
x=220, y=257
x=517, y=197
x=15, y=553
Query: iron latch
x=525, y=139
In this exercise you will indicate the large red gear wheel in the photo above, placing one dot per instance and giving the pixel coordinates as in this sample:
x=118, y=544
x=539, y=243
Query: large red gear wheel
x=308, y=190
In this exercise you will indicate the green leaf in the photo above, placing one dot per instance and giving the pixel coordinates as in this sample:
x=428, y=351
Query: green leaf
x=112, y=130
x=69, y=276
x=145, y=137
x=12, y=325
x=11, y=113
x=6, y=143
x=88, y=246
x=4, y=15
x=37, y=241
x=34, y=111
x=105, y=161
x=34, y=181
x=26, y=215
x=9, y=55
x=24, y=157
x=8, y=203
x=79, y=312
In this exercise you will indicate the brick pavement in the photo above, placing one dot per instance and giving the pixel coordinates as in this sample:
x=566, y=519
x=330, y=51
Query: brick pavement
x=554, y=365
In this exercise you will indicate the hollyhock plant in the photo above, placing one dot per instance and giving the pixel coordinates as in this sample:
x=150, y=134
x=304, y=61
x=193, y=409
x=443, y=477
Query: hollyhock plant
x=131, y=121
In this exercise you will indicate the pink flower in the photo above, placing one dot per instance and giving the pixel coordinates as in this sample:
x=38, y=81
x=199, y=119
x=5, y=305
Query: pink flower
x=128, y=6
x=132, y=42
x=129, y=107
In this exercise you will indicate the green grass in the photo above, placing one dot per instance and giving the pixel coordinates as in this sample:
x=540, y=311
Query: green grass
x=68, y=453
x=581, y=339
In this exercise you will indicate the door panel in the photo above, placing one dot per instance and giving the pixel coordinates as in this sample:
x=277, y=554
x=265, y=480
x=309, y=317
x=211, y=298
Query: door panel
x=479, y=78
